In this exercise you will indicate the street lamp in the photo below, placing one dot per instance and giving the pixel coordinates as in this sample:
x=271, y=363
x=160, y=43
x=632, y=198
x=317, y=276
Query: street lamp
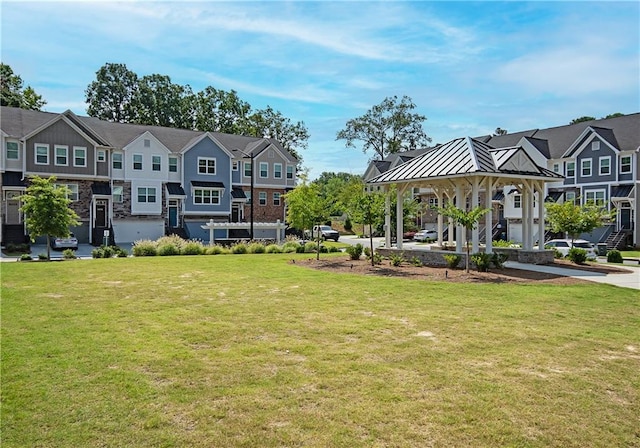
x=251, y=156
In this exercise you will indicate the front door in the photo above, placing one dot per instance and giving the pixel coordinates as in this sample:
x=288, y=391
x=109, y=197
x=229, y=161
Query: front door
x=625, y=216
x=101, y=213
x=235, y=213
x=173, y=213
x=13, y=207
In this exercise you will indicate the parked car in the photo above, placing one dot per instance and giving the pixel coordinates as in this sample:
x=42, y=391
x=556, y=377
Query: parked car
x=326, y=232
x=60, y=242
x=425, y=235
x=564, y=245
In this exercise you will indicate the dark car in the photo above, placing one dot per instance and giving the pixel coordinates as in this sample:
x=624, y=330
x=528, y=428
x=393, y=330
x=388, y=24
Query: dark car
x=61, y=242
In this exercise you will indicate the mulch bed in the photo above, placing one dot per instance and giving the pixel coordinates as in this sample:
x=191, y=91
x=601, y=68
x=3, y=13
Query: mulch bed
x=409, y=271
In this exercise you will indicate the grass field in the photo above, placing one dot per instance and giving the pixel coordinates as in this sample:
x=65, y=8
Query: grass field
x=254, y=351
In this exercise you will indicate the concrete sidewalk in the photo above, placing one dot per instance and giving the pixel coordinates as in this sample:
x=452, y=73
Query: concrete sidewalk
x=627, y=280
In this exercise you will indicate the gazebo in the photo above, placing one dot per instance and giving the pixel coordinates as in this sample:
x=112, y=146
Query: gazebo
x=467, y=172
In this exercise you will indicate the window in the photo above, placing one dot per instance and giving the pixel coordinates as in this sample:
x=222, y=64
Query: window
x=248, y=195
x=173, y=164
x=62, y=155
x=235, y=165
x=586, y=168
x=102, y=156
x=276, y=199
x=206, y=165
x=625, y=164
x=571, y=169
x=595, y=197
x=72, y=194
x=79, y=156
x=556, y=167
x=570, y=196
x=147, y=143
x=42, y=154
x=264, y=169
x=137, y=161
x=605, y=165
x=117, y=194
x=433, y=202
x=290, y=172
x=155, y=163
x=12, y=151
x=146, y=194
x=595, y=146
x=206, y=196
x=277, y=171
x=117, y=160
x=247, y=169
x=517, y=201
x=262, y=198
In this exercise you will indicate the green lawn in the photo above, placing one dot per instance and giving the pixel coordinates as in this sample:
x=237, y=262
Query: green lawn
x=252, y=350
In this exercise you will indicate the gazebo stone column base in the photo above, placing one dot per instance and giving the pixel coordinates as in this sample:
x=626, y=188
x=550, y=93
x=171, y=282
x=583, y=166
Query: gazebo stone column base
x=436, y=257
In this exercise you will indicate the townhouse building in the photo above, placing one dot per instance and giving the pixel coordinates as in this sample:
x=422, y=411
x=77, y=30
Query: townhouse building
x=142, y=182
x=599, y=163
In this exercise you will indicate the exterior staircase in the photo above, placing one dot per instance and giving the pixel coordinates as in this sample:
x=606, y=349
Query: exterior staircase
x=97, y=234
x=14, y=233
x=178, y=231
x=617, y=240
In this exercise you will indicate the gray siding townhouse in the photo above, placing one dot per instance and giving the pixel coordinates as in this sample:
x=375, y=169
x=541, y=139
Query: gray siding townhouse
x=599, y=161
x=138, y=181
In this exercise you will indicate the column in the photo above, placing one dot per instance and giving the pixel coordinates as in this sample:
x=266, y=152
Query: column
x=488, y=218
x=475, y=233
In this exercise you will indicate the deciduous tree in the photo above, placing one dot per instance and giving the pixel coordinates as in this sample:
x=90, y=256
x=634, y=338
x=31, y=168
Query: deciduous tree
x=387, y=128
x=269, y=123
x=467, y=219
x=13, y=94
x=46, y=207
x=112, y=95
x=574, y=219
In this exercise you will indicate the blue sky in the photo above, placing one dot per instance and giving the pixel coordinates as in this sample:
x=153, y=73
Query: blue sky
x=468, y=66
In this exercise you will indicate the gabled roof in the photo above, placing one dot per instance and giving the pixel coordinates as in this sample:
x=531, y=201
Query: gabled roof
x=587, y=135
x=541, y=145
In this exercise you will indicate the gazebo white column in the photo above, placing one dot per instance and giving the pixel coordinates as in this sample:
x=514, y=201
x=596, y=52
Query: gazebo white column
x=399, y=215
x=459, y=229
x=387, y=218
x=541, y=213
x=525, y=216
x=475, y=233
x=439, y=197
x=488, y=218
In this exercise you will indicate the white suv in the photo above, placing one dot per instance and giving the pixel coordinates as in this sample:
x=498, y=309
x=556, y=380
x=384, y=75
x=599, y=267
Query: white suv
x=563, y=247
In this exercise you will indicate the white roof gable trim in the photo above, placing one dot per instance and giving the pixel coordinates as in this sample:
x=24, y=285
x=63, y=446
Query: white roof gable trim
x=577, y=147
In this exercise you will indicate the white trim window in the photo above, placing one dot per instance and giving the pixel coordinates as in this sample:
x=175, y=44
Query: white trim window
x=62, y=155
x=262, y=198
x=595, y=146
x=207, y=165
x=433, y=201
x=556, y=168
x=570, y=196
x=571, y=170
x=235, y=165
x=264, y=170
x=247, y=169
x=596, y=197
x=605, y=165
x=173, y=164
x=118, y=194
x=137, y=162
x=102, y=155
x=625, y=164
x=41, y=154
x=156, y=163
x=277, y=170
x=290, y=172
x=248, y=195
x=72, y=192
x=585, y=168
x=517, y=201
x=206, y=196
x=116, y=160
x=146, y=194
x=12, y=151
x=276, y=198
x=79, y=156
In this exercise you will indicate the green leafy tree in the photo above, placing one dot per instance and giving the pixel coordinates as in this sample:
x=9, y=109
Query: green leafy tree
x=112, y=96
x=367, y=209
x=269, y=123
x=500, y=131
x=46, y=207
x=581, y=119
x=574, y=219
x=220, y=111
x=159, y=102
x=13, y=94
x=387, y=128
x=334, y=187
x=306, y=207
x=467, y=219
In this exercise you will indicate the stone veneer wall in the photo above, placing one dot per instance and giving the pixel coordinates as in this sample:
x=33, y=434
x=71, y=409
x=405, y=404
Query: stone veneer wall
x=435, y=257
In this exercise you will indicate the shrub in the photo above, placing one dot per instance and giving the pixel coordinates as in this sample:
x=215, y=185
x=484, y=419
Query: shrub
x=347, y=225
x=614, y=256
x=121, y=253
x=256, y=248
x=482, y=261
x=213, y=250
x=144, y=248
x=416, y=262
x=396, y=259
x=377, y=258
x=173, y=240
x=109, y=251
x=503, y=243
x=577, y=255
x=274, y=249
x=69, y=254
x=168, y=249
x=452, y=260
x=22, y=248
x=333, y=249
x=98, y=252
x=367, y=252
x=291, y=247
x=310, y=247
x=192, y=248
x=557, y=253
x=25, y=257
x=355, y=251
x=42, y=256
x=498, y=259
x=239, y=248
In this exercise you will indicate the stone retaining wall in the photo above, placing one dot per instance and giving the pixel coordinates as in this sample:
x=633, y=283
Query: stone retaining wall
x=435, y=257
